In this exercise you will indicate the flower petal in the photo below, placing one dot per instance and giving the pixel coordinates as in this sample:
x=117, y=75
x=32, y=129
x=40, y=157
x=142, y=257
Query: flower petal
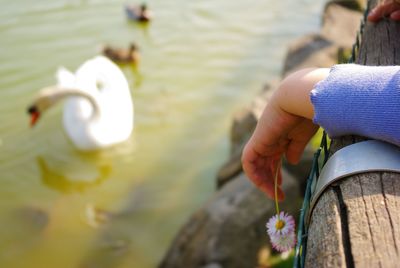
x=289, y=224
x=283, y=243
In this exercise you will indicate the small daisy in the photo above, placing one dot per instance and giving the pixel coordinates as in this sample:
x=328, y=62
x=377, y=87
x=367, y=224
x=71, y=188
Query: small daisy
x=283, y=243
x=281, y=225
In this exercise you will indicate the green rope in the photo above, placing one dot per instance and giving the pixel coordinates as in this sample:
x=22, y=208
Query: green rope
x=301, y=245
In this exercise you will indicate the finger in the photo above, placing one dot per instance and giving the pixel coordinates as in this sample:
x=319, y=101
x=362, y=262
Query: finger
x=279, y=177
x=281, y=195
x=262, y=171
x=276, y=164
x=269, y=189
x=375, y=14
x=395, y=15
x=248, y=167
x=264, y=178
x=275, y=167
x=295, y=151
x=381, y=11
x=249, y=159
x=278, y=171
x=299, y=139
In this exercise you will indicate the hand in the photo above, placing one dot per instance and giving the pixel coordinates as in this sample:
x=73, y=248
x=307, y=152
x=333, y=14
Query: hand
x=389, y=8
x=277, y=133
x=285, y=128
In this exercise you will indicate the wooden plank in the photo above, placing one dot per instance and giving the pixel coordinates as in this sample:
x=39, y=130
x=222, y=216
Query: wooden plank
x=323, y=252
x=369, y=220
x=356, y=222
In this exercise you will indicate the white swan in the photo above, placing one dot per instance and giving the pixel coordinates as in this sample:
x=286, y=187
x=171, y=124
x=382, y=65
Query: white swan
x=98, y=111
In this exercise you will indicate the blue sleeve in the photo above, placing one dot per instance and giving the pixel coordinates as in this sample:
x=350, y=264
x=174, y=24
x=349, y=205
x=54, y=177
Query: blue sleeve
x=360, y=100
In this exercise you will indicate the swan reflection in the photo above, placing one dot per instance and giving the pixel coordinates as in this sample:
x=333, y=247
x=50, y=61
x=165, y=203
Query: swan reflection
x=72, y=180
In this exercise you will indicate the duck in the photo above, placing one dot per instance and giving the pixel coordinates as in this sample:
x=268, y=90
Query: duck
x=119, y=55
x=138, y=13
x=98, y=109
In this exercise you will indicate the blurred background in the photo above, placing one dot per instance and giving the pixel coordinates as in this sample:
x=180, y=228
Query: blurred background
x=121, y=207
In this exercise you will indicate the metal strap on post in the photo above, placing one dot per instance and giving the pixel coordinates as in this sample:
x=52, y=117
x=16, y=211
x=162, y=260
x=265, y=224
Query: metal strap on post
x=362, y=157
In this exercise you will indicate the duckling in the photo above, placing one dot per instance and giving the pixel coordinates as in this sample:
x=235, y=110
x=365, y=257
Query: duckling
x=138, y=13
x=119, y=55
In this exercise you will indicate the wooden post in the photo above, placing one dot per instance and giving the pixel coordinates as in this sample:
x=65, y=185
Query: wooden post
x=356, y=222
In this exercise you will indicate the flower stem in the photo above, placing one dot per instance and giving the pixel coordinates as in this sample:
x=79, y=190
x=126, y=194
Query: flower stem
x=278, y=167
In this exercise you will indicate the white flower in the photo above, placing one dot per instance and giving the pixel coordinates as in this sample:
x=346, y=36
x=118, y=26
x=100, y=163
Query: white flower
x=283, y=243
x=281, y=225
x=281, y=230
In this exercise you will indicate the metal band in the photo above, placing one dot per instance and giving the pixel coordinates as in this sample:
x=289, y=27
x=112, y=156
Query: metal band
x=362, y=157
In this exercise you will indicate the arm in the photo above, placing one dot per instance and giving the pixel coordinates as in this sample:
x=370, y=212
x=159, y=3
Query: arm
x=284, y=128
x=348, y=99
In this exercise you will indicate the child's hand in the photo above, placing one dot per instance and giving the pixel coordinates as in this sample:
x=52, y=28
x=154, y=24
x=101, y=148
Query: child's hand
x=390, y=8
x=284, y=128
x=279, y=133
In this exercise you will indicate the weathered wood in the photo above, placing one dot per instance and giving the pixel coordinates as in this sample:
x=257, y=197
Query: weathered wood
x=356, y=222
x=330, y=252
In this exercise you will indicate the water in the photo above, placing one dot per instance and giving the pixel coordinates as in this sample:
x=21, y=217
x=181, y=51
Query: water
x=201, y=61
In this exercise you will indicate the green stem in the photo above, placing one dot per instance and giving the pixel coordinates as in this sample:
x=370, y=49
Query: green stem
x=276, y=187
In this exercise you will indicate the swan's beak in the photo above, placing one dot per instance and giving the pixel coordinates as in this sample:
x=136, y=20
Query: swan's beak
x=35, y=114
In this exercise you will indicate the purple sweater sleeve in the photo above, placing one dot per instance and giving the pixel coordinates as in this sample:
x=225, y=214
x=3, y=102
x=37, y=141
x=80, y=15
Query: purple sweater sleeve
x=360, y=100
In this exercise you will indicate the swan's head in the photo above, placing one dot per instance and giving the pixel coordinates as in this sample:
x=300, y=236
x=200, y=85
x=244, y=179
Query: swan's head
x=43, y=101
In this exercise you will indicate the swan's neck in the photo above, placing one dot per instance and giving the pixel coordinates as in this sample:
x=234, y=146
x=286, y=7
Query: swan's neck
x=59, y=93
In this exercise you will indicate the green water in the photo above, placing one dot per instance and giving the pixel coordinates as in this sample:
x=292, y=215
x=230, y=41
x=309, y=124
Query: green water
x=201, y=61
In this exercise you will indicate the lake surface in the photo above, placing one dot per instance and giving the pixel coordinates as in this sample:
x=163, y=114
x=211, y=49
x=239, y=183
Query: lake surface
x=121, y=207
